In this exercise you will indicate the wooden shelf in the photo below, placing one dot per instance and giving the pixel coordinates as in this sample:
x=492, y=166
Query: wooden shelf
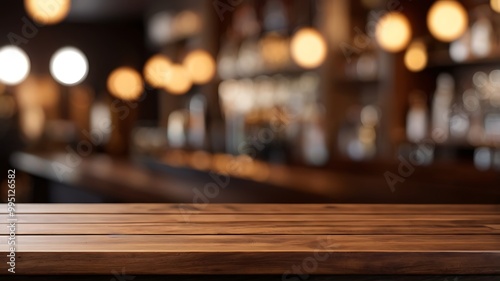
x=443, y=60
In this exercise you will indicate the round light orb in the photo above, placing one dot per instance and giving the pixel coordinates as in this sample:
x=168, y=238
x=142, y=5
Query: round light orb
x=308, y=48
x=125, y=83
x=416, y=57
x=14, y=65
x=393, y=32
x=178, y=80
x=495, y=5
x=201, y=66
x=447, y=20
x=156, y=70
x=69, y=66
x=47, y=11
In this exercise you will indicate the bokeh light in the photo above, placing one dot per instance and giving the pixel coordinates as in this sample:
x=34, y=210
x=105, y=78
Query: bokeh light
x=156, y=70
x=275, y=50
x=47, y=11
x=125, y=83
x=416, y=57
x=308, y=48
x=178, y=80
x=14, y=65
x=447, y=20
x=69, y=66
x=495, y=5
x=201, y=66
x=393, y=32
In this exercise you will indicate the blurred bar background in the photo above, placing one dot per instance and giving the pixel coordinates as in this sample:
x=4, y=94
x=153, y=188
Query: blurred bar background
x=363, y=101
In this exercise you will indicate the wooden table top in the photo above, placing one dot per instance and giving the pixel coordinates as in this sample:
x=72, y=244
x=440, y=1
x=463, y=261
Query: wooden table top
x=255, y=239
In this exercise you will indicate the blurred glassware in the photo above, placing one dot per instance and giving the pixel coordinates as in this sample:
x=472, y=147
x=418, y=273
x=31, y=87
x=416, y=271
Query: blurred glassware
x=226, y=63
x=314, y=147
x=481, y=37
x=441, y=106
x=275, y=16
x=32, y=122
x=101, y=123
x=149, y=139
x=417, y=119
x=249, y=60
x=460, y=48
x=176, y=129
x=482, y=158
x=367, y=67
x=160, y=27
x=164, y=27
x=197, y=121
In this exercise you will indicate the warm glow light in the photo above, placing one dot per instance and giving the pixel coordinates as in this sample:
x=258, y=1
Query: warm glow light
x=14, y=65
x=416, y=57
x=447, y=20
x=32, y=120
x=308, y=48
x=125, y=83
x=275, y=50
x=178, y=80
x=495, y=5
x=393, y=32
x=201, y=65
x=156, y=70
x=69, y=66
x=187, y=23
x=47, y=11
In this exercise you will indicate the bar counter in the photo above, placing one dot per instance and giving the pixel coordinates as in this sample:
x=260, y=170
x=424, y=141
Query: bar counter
x=282, y=240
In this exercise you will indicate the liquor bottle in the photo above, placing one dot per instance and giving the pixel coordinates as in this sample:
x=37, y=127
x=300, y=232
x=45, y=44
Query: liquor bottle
x=441, y=107
x=417, y=118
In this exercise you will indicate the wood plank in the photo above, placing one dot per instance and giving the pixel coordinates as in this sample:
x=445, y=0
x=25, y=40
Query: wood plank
x=256, y=239
x=117, y=276
x=251, y=209
x=256, y=243
x=258, y=254
x=279, y=263
x=269, y=228
x=298, y=218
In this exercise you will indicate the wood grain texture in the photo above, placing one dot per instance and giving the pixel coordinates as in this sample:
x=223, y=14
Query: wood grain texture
x=254, y=278
x=269, y=228
x=255, y=209
x=278, y=240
